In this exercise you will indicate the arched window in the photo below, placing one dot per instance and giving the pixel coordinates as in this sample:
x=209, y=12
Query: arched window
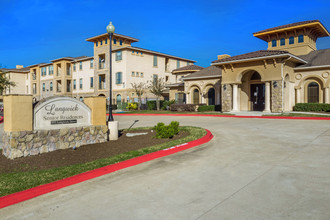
x=291, y=40
x=313, y=93
x=196, y=96
x=301, y=38
x=211, y=96
x=282, y=41
x=118, y=99
x=255, y=76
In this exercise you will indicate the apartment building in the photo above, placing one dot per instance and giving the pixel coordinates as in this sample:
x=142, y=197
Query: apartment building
x=84, y=76
x=20, y=76
x=130, y=65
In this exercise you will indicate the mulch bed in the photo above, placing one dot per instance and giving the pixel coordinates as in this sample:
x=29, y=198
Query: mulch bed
x=83, y=154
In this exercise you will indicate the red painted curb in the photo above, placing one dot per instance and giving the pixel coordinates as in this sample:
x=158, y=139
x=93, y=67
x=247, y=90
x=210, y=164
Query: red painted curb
x=43, y=189
x=227, y=116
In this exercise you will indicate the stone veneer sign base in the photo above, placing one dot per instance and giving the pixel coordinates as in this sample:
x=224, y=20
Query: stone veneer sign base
x=29, y=143
x=57, y=123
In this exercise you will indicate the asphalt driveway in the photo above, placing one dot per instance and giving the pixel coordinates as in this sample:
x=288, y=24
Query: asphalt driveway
x=252, y=169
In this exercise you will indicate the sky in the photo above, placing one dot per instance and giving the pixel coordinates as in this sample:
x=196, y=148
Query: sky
x=35, y=31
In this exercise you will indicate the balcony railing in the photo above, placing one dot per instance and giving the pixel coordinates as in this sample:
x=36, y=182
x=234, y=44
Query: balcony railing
x=101, y=65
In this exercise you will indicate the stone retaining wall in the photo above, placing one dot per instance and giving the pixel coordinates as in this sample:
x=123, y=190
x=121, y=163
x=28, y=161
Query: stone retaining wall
x=26, y=143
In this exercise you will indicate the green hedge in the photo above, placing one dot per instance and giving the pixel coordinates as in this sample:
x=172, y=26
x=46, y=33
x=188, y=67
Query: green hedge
x=151, y=105
x=206, y=108
x=166, y=131
x=312, y=107
x=184, y=107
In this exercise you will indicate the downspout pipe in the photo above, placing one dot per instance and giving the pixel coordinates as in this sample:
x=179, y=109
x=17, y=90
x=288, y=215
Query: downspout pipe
x=282, y=76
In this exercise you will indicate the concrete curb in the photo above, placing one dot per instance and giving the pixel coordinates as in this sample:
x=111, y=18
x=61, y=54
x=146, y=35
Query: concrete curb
x=46, y=188
x=228, y=116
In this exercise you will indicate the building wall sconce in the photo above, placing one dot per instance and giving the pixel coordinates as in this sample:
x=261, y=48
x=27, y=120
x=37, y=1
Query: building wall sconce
x=224, y=87
x=284, y=85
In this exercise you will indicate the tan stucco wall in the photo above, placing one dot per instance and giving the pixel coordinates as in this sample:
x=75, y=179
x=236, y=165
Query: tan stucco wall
x=203, y=85
x=18, y=113
x=98, y=109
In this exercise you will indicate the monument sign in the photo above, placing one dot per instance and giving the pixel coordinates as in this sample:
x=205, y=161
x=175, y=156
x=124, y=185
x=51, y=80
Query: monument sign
x=60, y=112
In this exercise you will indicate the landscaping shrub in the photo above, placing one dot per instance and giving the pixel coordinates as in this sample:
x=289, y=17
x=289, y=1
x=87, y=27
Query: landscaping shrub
x=151, y=105
x=166, y=131
x=132, y=106
x=206, y=108
x=184, y=107
x=166, y=104
x=312, y=107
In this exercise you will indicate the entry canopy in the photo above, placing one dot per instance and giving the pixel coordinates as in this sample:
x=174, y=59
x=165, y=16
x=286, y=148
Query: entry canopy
x=314, y=26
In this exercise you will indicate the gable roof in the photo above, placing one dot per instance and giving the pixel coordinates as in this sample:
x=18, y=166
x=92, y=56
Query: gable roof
x=286, y=26
x=188, y=68
x=260, y=54
x=209, y=72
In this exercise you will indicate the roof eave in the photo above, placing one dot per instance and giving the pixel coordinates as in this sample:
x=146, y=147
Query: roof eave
x=259, y=58
x=312, y=67
x=201, y=77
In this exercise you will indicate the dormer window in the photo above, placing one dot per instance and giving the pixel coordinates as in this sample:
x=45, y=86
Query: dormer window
x=282, y=41
x=291, y=40
x=100, y=42
x=121, y=42
x=301, y=38
x=106, y=41
x=274, y=43
x=96, y=43
x=114, y=41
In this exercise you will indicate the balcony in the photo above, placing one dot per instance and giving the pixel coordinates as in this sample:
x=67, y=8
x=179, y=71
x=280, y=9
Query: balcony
x=101, y=65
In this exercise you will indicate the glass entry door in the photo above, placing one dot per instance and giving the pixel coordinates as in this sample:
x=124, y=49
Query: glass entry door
x=257, y=97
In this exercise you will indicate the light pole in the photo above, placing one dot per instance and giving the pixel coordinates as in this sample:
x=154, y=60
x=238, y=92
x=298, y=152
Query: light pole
x=110, y=30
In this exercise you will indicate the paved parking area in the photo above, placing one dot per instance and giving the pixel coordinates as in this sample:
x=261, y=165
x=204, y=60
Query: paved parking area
x=252, y=169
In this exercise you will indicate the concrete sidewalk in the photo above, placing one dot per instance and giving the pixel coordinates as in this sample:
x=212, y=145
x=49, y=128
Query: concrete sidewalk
x=252, y=169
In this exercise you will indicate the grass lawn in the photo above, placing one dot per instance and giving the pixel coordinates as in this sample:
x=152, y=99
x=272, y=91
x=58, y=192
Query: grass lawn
x=170, y=112
x=19, y=181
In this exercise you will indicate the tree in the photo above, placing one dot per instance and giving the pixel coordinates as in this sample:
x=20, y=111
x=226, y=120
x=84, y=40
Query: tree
x=139, y=89
x=157, y=87
x=4, y=81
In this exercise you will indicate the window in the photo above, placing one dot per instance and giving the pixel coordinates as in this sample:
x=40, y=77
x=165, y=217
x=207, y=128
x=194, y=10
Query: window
x=114, y=41
x=74, y=67
x=118, y=55
x=34, y=75
x=118, y=78
x=96, y=43
x=92, y=82
x=68, y=86
x=274, y=43
x=120, y=42
x=132, y=51
x=178, y=64
x=101, y=61
x=80, y=83
x=74, y=84
x=137, y=52
x=43, y=71
x=313, y=92
x=166, y=78
x=291, y=40
x=51, y=70
x=101, y=42
x=155, y=60
x=80, y=65
x=58, y=86
x=141, y=74
x=141, y=53
x=68, y=69
x=51, y=86
x=301, y=38
x=102, y=81
x=43, y=87
x=132, y=93
x=154, y=78
x=34, y=88
x=91, y=64
x=282, y=43
x=106, y=41
x=188, y=63
x=137, y=74
x=133, y=74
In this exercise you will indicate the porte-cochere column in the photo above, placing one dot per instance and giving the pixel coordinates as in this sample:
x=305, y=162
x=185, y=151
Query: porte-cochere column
x=235, y=97
x=267, y=97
